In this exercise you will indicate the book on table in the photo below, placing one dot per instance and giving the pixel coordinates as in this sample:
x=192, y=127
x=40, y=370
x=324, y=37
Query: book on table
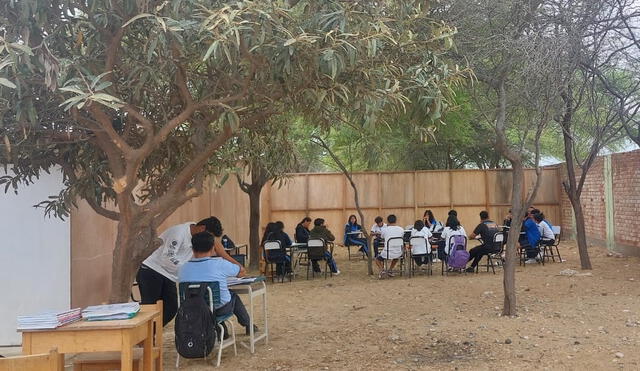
x=111, y=311
x=48, y=320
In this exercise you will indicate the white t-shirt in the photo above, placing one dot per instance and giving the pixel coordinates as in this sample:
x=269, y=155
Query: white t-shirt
x=435, y=227
x=415, y=250
x=545, y=231
x=175, y=251
x=377, y=229
x=448, y=232
x=389, y=232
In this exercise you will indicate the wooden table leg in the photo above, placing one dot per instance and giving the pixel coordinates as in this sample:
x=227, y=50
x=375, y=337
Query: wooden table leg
x=26, y=344
x=147, y=354
x=126, y=358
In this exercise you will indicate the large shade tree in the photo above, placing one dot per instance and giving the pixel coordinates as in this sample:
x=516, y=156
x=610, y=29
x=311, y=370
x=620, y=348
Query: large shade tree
x=134, y=99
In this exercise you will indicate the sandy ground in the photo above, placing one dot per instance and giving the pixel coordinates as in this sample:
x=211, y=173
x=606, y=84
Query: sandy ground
x=356, y=322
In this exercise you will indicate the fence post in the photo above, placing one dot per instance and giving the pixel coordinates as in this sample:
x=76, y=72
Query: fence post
x=608, y=203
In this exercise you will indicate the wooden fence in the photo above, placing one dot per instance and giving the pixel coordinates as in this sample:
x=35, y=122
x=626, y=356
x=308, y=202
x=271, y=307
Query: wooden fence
x=325, y=195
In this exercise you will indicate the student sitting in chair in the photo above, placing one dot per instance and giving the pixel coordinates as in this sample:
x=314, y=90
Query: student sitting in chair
x=351, y=230
x=206, y=268
x=376, y=232
x=420, y=253
x=485, y=230
x=321, y=231
x=392, y=230
x=546, y=232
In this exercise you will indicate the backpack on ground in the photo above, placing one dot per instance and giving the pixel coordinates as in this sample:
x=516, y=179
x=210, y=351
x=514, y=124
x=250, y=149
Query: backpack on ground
x=458, y=255
x=195, y=334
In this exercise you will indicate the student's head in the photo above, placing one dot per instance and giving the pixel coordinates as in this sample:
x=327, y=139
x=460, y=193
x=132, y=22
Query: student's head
x=535, y=211
x=279, y=226
x=212, y=225
x=391, y=219
x=202, y=243
x=484, y=215
x=306, y=221
x=318, y=222
x=538, y=217
x=270, y=228
x=353, y=219
x=428, y=215
x=418, y=225
x=379, y=221
x=452, y=222
x=453, y=212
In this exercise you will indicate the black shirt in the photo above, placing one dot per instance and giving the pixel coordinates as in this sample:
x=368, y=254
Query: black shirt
x=302, y=234
x=486, y=230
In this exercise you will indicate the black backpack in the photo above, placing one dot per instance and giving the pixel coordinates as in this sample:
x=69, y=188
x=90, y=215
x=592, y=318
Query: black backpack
x=195, y=325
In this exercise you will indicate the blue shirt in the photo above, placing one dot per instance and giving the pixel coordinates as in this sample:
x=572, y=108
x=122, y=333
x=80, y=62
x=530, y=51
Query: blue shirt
x=211, y=269
x=532, y=231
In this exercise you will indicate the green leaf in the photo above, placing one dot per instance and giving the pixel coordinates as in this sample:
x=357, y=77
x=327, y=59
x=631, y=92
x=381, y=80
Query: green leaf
x=142, y=15
x=7, y=83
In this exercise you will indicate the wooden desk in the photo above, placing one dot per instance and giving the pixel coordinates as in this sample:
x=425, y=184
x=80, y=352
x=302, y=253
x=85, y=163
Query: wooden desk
x=97, y=336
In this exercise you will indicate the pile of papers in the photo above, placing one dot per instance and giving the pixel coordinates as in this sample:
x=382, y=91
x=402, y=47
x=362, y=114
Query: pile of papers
x=239, y=281
x=111, y=311
x=48, y=320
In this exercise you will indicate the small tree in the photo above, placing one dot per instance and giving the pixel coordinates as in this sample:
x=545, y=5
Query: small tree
x=266, y=155
x=133, y=100
x=515, y=63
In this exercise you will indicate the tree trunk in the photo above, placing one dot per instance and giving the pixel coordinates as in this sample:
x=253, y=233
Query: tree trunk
x=511, y=258
x=254, y=226
x=129, y=253
x=581, y=236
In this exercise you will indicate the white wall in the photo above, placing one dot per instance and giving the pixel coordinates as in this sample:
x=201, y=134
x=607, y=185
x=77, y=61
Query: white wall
x=35, y=272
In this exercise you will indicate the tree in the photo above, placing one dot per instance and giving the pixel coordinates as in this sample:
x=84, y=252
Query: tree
x=133, y=100
x=590, y=119
x=514, y=60
x=266, y=155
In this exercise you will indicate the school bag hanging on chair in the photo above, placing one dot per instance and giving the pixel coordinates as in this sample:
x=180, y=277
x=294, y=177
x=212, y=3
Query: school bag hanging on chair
x=458, y=255
x=195, y=325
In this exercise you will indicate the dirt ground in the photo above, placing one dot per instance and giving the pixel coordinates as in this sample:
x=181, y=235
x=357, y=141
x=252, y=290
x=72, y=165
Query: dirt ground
x=356, y=322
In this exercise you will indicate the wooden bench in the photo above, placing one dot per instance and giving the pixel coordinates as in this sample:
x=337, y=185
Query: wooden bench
x=36, y=362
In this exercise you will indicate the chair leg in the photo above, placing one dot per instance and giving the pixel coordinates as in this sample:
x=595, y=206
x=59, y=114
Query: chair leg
x=326, y=265
x=233, y=336
x=349, y=251
x=558, y=251
x=220, y=344
x=308, y=270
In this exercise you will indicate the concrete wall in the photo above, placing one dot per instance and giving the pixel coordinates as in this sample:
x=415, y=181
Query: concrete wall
x=35, y=274
x=611, y=202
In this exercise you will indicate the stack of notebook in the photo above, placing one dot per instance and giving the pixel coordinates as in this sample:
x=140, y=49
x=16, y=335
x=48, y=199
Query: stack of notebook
x=48, y=320
x=111, y=311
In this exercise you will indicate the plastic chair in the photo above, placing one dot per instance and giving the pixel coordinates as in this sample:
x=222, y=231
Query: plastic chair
x=36, y=362
x=104, y=361
x=316, y=248
x=547, y=251
x=213, y=299
x=419, y=243
x=272, y=245
x=495, y=257
x=349, y=245
x=394, y=249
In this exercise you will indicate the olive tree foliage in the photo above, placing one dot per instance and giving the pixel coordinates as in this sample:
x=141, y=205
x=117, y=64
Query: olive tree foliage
x=134, y=99
x=516, y=64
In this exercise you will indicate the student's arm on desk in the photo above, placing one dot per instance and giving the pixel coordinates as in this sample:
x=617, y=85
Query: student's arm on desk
x=242, y=272
x=221, y=252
